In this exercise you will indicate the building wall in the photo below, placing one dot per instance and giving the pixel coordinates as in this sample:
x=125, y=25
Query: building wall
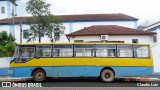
x=155, y=46
x=81, y=25
x=156, y=51
x=4, y=28
x=8, y=9
x=3, y=4
x=156, y=57
x=146, y=39
x=43, y=39
x=69, y=27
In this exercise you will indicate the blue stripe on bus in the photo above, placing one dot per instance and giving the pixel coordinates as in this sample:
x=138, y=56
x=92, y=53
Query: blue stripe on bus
x=83, y=71
x=4, y=71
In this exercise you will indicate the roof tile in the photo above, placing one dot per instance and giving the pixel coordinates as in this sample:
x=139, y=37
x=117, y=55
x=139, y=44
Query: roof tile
x=109, y=30
x=79, y=17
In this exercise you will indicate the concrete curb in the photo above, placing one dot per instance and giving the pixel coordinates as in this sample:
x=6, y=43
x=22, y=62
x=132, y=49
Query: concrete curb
x=142, y=78
x=10, y=79
x=154, y=79
x=15, y=79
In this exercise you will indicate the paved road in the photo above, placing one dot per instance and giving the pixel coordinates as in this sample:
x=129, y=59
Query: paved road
x=95, y=82
x=89, y=84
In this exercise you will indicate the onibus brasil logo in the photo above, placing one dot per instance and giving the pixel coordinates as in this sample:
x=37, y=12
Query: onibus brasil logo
x=13, y=84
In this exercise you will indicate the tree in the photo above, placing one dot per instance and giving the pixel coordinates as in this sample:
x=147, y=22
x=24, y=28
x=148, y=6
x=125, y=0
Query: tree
x=43, y=22
x=7, y=44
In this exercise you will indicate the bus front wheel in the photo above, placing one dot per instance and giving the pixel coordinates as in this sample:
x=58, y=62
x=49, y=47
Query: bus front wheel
x=39, y=76
x=107, y=75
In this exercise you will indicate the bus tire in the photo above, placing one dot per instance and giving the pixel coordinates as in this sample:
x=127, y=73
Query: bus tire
x=39, y=75
x=107, y=75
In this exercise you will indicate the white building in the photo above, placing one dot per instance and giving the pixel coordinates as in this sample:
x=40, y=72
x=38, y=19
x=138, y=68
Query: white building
x=156, y=45
x=6, y=9
x=111, y=33
x=71, y=22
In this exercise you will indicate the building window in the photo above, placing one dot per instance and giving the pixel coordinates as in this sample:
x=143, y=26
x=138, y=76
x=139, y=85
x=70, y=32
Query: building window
x=56, y=32
x=134, y=40
x=25, y=34
x=41, y=28
x=155, y=39
x=2, y=9
x=42, y=34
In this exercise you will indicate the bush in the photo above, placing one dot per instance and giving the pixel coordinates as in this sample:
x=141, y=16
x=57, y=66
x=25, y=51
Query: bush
x=7, y=44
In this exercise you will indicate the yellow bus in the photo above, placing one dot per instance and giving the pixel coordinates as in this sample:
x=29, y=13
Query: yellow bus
x=105, y=60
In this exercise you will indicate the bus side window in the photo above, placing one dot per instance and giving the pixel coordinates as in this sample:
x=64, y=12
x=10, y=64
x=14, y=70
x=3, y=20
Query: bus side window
x=124, y=51
x=84, y=50
x=103, y=50
x=141, y=51
x=43, y=51
x=62, y=50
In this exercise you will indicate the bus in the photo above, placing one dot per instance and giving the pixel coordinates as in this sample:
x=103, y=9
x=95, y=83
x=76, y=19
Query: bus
x=105, y=60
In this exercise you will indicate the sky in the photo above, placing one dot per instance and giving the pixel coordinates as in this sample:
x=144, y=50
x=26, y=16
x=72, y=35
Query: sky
x=147, y=11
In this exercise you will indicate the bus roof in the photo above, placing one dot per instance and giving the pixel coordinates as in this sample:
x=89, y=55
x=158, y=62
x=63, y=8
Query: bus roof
x=79, y=43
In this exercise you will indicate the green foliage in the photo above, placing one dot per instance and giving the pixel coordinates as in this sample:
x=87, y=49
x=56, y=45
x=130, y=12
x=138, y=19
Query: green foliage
x=37, y=7
x=7, y=44
x=43, y=22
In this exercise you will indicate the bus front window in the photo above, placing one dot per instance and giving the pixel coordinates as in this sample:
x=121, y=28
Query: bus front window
x=24, y=54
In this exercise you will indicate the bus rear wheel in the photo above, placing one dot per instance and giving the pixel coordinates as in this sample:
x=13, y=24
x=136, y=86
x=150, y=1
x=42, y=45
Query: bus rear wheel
x=107, y=75
x=39, y=76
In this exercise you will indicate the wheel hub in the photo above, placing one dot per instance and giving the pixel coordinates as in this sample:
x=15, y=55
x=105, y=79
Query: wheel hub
x=107, y=75
x=39, y=75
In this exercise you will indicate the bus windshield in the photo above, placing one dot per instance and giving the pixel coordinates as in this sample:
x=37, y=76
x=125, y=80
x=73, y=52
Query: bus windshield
x=23, y=54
